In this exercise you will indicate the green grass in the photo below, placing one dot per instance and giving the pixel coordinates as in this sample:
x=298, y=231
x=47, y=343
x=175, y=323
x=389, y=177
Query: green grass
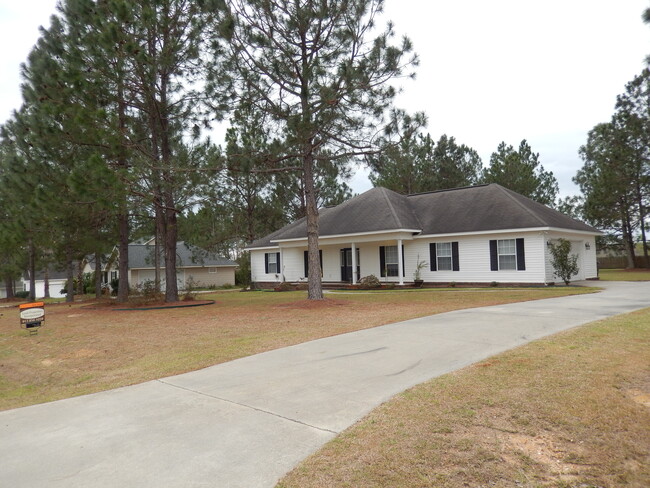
x=624, y=275
x=571, y=410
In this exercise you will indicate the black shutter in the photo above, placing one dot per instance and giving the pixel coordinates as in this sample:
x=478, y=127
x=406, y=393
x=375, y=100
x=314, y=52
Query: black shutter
x=277, y=262
x=521, y=256
x=494, y=256
x=320, y=258
x=454, y=257
x=403, y=262
x=306, y=264
x=266, y=262
x=382, y=261
x=433, y=256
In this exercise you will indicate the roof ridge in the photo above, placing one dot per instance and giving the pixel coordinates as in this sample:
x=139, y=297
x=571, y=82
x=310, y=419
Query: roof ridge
x=390, y=205
x=506, y=191
x=442, y=190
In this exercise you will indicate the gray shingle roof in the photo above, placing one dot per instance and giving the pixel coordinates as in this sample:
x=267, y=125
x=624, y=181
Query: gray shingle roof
x=470, y=209
x=142, y=256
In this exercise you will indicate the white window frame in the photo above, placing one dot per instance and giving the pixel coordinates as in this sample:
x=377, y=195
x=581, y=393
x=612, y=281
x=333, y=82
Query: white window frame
x=273, y=265
x=392, y=268
x=212, y=270
x=501, y=253
x=444, y=257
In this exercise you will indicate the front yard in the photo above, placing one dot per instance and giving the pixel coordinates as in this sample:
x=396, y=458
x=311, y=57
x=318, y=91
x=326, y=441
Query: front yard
x=81, y=350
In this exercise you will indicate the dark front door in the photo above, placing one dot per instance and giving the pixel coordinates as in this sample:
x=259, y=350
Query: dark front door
x=346, y=264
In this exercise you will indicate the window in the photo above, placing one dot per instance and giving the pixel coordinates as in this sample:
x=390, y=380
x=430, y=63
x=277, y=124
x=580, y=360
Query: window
x=443, y=252
x=507, y=252
x=212, y=270
x=392, y=264
x=272, y=262
x=443, y=256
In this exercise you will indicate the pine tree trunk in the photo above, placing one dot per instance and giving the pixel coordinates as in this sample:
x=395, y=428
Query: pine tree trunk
x=46, y=284
x=315, y=290
x=628, y=241
x=98, y=274
x=642, y=214
x=159, y=232
x=123, y=216
x=123, y=257
x=9, y=287
x=171, y=234
x=32, y=270
x=69, y=296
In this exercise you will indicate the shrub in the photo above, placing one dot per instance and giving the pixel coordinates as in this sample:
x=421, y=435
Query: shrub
x=452, y=284
x=285, y=286
x=21, y=294
x=148, y=291
x=494, y=284
x=564, y=263
x=227, y=286
x=369, y=282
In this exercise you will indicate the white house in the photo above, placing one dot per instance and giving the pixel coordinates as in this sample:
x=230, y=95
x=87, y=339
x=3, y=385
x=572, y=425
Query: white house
x=192, y=265
x=478, y=234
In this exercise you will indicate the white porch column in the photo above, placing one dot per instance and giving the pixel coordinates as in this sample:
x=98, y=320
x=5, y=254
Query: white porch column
x=354, y=263
x=400, y=263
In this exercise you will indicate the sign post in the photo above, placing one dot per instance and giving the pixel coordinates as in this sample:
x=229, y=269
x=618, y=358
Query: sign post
x=32, y=316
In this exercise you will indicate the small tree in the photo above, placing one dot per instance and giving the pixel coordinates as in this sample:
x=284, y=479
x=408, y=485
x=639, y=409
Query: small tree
x=564, y=263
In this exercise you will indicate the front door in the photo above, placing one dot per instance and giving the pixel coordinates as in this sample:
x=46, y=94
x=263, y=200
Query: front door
x=346, y=264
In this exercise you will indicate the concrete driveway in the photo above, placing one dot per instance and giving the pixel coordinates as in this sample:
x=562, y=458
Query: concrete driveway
x=248, y=422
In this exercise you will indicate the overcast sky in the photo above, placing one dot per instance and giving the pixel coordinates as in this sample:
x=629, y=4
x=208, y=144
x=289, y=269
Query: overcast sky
x=490, y=71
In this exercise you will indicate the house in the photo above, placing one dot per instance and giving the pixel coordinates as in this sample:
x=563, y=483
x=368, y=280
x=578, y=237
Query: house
x=478, y=234
x=56, y=280
x=193, y=265
x=203, y=268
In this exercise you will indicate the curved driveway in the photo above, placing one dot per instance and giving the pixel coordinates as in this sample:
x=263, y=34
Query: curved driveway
x=247, y=422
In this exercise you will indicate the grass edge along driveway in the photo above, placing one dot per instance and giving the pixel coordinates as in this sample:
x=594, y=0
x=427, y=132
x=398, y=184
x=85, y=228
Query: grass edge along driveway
x=570, y=410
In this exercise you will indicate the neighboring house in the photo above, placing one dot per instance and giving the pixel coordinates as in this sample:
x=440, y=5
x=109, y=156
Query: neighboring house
x=202, y=268
x=56, y=282
x=478, y=234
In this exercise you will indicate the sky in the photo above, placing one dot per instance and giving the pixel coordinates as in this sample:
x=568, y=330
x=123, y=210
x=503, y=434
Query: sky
x=490, y=71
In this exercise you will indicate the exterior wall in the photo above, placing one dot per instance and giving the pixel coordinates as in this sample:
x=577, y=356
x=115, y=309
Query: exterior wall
x=587, y=264
x=474, y=260
x=201, y=276
x=55, y=288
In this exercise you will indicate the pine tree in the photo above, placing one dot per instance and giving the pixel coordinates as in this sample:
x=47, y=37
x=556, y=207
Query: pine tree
x=314, y=69
x=520, y=171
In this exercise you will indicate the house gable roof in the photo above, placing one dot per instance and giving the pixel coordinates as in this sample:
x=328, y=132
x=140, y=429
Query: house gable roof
x=142, y=256
x=460, y=210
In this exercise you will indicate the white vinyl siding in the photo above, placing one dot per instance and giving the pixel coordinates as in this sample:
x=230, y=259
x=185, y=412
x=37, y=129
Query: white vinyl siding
x=474, y=259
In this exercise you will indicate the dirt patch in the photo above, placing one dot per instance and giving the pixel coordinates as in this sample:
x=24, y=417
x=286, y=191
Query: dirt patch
x=313, y=304
x=146, y=306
